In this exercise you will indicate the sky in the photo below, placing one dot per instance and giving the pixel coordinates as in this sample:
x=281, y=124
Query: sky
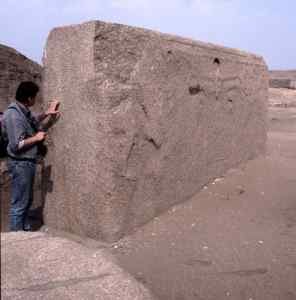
x=264, y=27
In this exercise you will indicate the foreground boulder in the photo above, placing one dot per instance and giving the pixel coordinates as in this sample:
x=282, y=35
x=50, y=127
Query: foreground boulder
x=40, y=266
x=148, y=120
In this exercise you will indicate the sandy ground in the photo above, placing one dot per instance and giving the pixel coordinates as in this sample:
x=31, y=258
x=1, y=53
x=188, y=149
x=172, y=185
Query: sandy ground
x=236, y=239
x=281, y=98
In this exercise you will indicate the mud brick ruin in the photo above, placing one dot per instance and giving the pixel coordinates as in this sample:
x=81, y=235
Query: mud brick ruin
x=147, y=120
x=15, y=68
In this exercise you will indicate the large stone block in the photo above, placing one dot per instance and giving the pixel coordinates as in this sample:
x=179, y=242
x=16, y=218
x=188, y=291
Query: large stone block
x=147, y=120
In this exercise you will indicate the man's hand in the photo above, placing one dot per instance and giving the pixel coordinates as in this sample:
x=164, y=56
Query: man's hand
x=53, y=108
x=40, y=136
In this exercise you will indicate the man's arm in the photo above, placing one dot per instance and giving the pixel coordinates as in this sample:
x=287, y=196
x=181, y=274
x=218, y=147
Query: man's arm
x=41, y=117
x=16, y=133
x=26, y=143
x=15, y=130
x=51, y=111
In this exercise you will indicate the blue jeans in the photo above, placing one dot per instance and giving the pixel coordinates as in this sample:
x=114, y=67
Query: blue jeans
x=22, y=174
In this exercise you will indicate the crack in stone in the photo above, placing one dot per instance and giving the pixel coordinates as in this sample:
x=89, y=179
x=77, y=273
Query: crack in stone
x=153, y=142
x=252, y=272
x=144, y=109
x=62, y=283
x=205, y=263
x=130, y=153
x=25, y=240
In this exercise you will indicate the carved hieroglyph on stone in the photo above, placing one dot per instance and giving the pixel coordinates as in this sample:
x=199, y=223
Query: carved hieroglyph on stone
x=147, y=120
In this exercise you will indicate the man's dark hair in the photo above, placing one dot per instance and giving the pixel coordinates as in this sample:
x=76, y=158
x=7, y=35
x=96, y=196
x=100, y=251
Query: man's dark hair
x=26, y=90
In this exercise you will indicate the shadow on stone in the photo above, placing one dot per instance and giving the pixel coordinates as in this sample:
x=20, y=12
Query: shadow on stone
x=43, y=186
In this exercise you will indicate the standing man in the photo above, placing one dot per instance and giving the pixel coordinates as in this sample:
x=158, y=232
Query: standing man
x=24, y=135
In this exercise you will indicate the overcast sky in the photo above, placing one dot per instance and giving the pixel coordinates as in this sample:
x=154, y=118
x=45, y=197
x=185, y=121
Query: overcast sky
x=265, y=27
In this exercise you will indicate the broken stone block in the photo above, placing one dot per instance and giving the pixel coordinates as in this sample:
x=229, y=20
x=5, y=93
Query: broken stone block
x=147, y=120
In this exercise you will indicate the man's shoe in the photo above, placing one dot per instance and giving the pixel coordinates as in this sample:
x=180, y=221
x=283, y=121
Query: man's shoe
x=28, y=227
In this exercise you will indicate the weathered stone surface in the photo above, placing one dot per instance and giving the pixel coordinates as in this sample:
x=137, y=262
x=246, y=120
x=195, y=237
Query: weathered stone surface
x=148, y=119
x=40, y=266
x=282, y=79
x=14, y=68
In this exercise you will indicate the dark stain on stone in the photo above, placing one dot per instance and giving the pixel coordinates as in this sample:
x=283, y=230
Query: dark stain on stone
x=217, y=61
x=141, y=279
x=289, y=296
x=119, y=131
x=100, y=36
x=241, y=191
x=245, y=273
x=201, y=262
x=144, y=109
x=194, y=90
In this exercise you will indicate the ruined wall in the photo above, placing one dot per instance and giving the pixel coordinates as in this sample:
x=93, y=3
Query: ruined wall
x=291, y=74
x=282, y=79
x=147, y=120
x=282, y=83
x=14, y=68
